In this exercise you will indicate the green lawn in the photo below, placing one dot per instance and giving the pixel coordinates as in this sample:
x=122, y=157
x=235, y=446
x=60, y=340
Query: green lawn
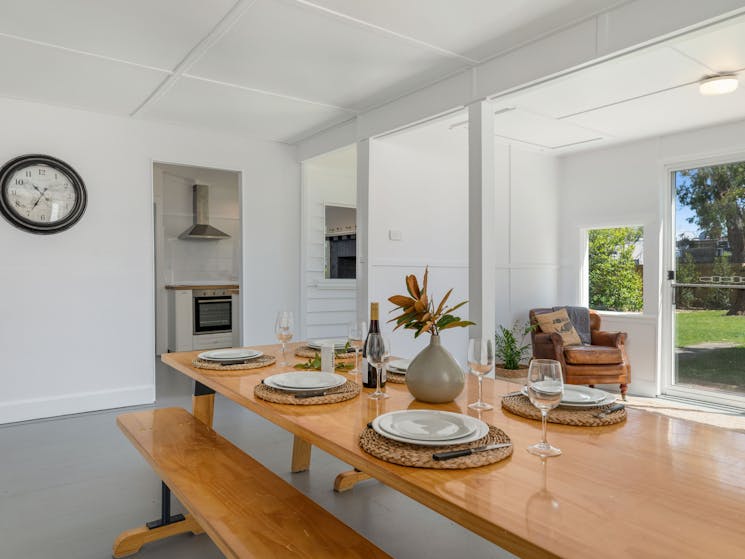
x=714, y=367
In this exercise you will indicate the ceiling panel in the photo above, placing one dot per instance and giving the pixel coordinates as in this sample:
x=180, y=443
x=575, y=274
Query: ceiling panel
x=235, y=110
x=613, y=81
x=671, y=111
x=155, y=33
x=474, y=28
x=292, y=49
x=540, y=130
x=33, y=72
x=722, y=48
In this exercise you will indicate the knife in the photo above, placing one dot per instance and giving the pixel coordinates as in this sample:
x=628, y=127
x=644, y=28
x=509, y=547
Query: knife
x=610, y=410
x=310, y=394
x=468, y=451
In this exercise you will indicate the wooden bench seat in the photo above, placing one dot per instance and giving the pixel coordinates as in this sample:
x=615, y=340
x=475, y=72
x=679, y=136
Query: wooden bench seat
x=247, y=510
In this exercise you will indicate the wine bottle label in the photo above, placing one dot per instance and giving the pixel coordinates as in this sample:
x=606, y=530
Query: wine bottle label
x=365, y=369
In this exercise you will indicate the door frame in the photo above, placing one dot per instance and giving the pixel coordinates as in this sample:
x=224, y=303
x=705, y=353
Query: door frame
x=667, y=315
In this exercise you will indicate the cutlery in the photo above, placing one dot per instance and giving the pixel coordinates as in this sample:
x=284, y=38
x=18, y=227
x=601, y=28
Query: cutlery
x=228, y=363
x=468, y=451
x=610, y=410
x=311, y=394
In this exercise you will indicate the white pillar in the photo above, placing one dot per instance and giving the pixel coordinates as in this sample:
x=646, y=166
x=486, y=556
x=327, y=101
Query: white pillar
x=363, y=228
x=481, y=216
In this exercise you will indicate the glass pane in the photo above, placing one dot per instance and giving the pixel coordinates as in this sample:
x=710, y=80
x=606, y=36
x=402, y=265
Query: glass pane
x=616, y=266
x=709, y=252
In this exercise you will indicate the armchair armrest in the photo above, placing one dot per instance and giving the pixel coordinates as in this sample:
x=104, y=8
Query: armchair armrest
x=608, y=339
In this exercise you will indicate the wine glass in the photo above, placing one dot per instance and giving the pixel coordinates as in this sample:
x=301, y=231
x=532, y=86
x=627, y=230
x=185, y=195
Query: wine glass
x=283, y=329
x=480, y=361
x=545, y=389
x=376, y=356
x=356, y=336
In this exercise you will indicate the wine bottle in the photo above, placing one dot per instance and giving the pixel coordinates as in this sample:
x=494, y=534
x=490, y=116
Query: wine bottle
x=369, y=374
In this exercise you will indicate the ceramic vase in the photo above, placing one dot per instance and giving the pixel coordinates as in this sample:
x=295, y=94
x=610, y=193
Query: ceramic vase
x=434, y=376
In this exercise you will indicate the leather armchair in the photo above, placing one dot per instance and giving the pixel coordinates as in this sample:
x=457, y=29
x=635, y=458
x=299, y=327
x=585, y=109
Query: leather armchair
x=603, y=362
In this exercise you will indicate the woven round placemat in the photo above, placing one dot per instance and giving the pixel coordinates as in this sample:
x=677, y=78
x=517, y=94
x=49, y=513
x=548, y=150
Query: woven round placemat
x=346, y=391
x=234, y=370
x=419, y=456
x=310, y=353
x=519, y=404
x=395, y=378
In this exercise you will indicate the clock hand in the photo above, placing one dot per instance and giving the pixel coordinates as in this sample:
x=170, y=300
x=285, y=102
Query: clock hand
x=40, y=197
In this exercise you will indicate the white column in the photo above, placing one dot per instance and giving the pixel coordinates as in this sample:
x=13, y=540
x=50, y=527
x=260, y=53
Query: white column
x=481, y=216
x=363, y=228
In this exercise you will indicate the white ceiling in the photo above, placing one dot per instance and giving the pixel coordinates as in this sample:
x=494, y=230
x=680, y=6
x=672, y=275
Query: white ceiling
x=647, y=93
x=274, y=69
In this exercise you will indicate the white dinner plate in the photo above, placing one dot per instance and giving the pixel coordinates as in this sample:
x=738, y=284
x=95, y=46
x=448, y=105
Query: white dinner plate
x=608, y=398
x=574, y=394
x=428, y=425
x=338, y=343
x=482, y=429
x=399, y=365
x=233, y=354
x=308, y=381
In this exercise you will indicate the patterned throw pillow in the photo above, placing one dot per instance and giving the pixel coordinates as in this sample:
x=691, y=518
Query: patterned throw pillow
x=559, y=322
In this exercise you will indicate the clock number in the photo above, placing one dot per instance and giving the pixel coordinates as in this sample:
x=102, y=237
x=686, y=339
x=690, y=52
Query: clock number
x=28, y=173
x=18, y=203
x=42, y=217
x=19, y=181
x=42, y=172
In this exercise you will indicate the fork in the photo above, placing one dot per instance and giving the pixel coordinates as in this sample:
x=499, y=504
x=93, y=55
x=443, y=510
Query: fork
x=609, y=411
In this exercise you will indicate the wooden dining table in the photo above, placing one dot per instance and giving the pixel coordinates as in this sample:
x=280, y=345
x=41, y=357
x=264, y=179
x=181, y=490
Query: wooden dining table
x=652, y=486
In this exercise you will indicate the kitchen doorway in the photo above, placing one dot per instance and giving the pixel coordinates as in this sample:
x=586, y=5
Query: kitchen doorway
x=198, y=257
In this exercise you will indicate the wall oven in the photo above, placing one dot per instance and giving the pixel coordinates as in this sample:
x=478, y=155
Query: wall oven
x=213, y=311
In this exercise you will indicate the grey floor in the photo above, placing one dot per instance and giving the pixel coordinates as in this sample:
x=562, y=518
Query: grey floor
x=69, y=485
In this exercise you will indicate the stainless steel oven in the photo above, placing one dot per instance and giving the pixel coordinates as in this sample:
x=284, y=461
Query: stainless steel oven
x=213, y=311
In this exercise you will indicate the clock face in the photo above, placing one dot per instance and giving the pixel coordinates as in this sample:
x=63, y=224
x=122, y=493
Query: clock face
x=41, y=194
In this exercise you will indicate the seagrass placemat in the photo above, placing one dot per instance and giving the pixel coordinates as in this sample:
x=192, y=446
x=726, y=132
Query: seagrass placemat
x=234, y=370
x=419, y=456
x=346, y=391
x=519, y=404
x=310, y=353
x=394, y=377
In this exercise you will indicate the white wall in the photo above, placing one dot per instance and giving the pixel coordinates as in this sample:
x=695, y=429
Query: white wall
x=329, y=305
x=527, y=245
x=628, y=185
x=419, y=186
x=77, y=331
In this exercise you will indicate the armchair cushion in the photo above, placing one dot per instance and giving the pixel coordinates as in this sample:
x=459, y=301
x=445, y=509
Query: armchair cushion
x=558, y=321
x=592, y=355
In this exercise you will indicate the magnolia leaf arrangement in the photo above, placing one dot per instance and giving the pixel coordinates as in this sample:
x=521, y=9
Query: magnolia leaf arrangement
x=314, y=364
x=419, y=312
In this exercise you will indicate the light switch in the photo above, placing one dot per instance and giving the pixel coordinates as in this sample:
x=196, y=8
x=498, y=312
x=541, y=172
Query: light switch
x=394, y=234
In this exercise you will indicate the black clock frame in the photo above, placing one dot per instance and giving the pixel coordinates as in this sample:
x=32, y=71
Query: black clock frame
x=31, y=226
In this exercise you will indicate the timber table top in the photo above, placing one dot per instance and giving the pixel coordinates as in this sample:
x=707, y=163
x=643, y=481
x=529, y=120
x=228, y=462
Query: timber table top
x=652, y=486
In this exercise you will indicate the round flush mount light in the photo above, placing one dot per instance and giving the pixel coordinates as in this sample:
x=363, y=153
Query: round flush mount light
x=718, y=85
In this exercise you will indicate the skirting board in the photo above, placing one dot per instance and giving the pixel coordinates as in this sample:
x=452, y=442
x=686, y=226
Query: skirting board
x=39, y=408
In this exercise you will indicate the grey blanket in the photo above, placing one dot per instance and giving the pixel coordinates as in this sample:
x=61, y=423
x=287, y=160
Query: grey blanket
x=580, y=319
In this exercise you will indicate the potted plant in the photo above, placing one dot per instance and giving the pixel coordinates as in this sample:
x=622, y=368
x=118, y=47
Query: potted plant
x=510, y=348
x=433, y=375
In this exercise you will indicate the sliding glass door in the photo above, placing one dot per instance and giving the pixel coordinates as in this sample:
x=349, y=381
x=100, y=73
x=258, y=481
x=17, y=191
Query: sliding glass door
x=708, y=285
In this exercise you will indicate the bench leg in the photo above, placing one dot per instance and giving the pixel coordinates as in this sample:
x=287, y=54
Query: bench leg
x=300, y=455
x=346, y=480
x=203, y=403
x=130, y=541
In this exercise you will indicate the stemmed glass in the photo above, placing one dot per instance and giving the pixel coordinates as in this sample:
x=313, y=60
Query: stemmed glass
x=356, y=336
x=283, y=329
x=376, y=356
x=480, y=361
x=545, y=389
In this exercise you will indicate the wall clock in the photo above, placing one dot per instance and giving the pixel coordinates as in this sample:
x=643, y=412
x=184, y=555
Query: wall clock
x=41, y=194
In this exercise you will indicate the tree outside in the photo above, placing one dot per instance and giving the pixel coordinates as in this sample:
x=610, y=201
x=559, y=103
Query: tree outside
x=615, y=278
x=716, y=195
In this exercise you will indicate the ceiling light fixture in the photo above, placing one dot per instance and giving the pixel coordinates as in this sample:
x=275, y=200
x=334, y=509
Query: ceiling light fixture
x=718, y=85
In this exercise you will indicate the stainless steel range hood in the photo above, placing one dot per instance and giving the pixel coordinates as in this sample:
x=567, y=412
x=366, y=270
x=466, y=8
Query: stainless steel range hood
x=202, y=230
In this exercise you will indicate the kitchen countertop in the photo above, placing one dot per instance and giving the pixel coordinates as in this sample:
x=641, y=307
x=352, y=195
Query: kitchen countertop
x=202, y=285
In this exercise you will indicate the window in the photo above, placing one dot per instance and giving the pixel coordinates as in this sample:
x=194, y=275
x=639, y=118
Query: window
x=616, y=263
x=340, y=248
